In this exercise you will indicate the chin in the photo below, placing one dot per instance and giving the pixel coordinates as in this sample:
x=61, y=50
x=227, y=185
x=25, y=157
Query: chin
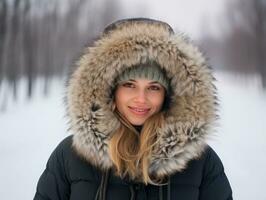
x=137, y=123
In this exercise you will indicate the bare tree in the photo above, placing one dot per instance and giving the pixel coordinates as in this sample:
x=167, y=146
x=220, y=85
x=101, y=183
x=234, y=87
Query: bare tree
x=249, y=29
x=243, y=45
x=260, y=37
x=3, y=30
x=29, y=40
x=43, y=38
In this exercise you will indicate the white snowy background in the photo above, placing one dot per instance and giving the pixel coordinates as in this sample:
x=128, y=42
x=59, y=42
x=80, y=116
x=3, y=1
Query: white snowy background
x=31, y=129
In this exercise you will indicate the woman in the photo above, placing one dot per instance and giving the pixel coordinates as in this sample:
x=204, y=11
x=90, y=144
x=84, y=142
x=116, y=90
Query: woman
x=141, y=104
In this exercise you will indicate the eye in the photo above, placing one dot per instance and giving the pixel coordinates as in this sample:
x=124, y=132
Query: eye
x=155, y=87
x=128, y=85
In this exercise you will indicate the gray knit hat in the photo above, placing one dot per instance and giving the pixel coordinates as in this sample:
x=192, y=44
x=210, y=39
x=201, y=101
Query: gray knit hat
x=151, y=71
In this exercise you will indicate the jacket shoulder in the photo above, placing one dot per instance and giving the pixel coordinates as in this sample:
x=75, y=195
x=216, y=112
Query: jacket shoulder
x=64, y=161
x=76, y=167
x=65, y=146
x=54, y=182
x=212, y=160
x=214, y=180
x=62, y=169
x=58, y=160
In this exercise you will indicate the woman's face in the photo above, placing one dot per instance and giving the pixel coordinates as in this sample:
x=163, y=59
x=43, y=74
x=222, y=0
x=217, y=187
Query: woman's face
x=139, y=99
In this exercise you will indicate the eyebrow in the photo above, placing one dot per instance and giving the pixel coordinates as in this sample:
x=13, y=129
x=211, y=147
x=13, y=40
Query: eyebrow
x=156, y=82
x=132, y=80
x=152, y=82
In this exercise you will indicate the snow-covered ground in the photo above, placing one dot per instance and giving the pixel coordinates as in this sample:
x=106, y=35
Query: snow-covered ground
x=241, y=137
x=30, y=130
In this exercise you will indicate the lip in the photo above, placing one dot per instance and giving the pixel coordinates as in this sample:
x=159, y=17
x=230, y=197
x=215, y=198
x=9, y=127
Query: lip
x=139, y=111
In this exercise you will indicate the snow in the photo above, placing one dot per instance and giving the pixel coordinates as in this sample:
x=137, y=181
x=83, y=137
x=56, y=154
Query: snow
x=241, y=139
x=30, y=130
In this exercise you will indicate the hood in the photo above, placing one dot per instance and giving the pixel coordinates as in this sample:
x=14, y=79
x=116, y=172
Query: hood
x=192, y=110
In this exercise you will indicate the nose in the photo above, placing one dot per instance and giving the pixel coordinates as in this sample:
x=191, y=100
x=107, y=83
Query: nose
x=140, y=96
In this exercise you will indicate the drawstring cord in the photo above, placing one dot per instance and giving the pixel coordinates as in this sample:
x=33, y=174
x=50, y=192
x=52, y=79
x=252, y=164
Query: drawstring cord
x=101, y=192
x=168, y=190
x=132, y=192
x=102, y=189
x=161, y=192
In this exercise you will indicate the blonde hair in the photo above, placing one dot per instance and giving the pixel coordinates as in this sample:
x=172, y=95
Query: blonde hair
x=131, y=151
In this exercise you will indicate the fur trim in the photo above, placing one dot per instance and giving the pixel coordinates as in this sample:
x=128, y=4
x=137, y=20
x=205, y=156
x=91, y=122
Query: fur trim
x=193, y=103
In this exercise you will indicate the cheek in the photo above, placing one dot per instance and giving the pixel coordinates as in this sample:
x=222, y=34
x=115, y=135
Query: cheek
x=158, y=101
x=120, y=98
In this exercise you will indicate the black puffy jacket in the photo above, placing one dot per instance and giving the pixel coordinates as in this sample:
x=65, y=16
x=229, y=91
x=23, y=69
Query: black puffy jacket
x=80, y=168
x=69, y=177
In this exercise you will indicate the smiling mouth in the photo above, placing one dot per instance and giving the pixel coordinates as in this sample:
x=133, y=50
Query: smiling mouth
x=139, y=111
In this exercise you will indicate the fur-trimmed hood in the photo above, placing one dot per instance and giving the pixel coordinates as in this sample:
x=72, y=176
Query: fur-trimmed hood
x=192, y=110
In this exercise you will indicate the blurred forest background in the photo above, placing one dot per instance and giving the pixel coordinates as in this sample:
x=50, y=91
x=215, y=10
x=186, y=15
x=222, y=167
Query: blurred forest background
x=44, y=38
x=40, y=40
